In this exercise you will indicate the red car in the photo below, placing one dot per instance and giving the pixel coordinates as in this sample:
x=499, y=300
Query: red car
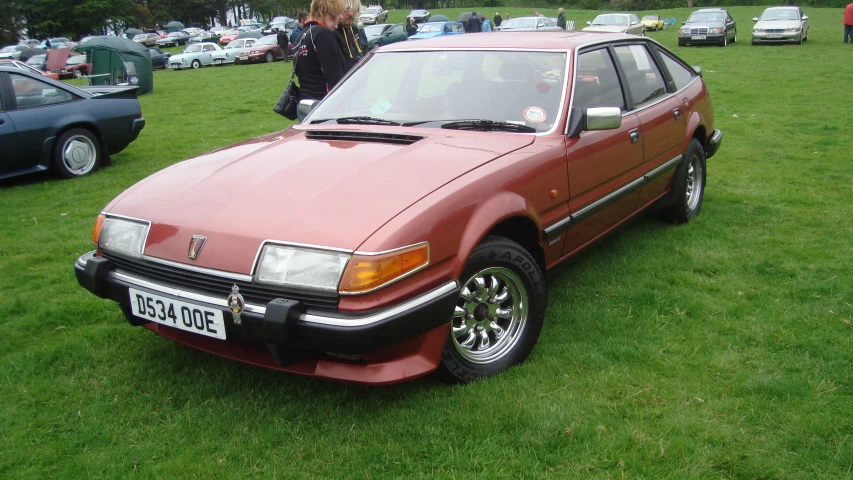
x=405, y=228
x=76, y=67
x=266, y=49
x=228, y=36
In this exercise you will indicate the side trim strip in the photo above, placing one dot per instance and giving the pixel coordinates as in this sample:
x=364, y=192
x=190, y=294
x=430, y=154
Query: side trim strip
x=564, y=223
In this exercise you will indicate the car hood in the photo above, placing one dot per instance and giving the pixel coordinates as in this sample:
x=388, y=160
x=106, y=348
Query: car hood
x=291, y=188
x=606, y=28
x=778, y=24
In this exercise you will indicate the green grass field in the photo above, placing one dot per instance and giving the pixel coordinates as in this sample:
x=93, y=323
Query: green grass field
x=718, y=349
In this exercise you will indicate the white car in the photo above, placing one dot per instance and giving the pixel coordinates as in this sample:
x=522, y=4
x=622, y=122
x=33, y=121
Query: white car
x=12, y=51
x=781, y=24
x=230, y=52
x=373, y=15
x=616, y=23
x=195, y=56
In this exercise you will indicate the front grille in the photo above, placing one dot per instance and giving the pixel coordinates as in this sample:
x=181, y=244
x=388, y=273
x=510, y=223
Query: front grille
x=775, y=30
x=212, y=285
x=698, y=30
x=355, y=136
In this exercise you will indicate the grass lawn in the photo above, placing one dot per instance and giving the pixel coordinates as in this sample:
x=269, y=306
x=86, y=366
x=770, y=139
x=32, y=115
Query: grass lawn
x=719, y=349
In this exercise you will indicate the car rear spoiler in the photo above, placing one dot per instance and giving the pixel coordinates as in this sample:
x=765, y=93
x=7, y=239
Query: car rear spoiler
x=112, y=91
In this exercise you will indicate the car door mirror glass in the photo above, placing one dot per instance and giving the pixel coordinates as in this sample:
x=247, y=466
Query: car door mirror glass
x=805, y=17
x=603, y=118
x=305, y=106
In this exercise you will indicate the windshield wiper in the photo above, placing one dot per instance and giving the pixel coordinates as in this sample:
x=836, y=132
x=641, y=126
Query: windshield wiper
x=488, y=125
x=360, y=121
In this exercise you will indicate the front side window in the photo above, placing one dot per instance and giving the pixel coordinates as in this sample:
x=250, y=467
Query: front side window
x=30, y=92
x=645, y=81
x=596, y=81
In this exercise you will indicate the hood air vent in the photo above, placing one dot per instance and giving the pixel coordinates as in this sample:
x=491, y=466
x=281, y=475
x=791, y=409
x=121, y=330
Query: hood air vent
x=355, y=136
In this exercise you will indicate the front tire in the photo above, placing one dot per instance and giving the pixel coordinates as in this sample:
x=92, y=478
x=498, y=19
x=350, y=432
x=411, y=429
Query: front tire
x=725, y=40
x=269, y=57
x=78, y=73
x=498, y=315
x=688, y=186
x=76, y=153
x=196, y=64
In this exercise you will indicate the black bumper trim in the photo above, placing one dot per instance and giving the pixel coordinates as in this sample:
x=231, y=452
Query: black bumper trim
x=714, y=143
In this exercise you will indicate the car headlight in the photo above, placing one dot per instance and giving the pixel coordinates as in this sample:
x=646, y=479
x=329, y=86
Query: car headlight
x=792, y=29
x=682, y=31
x=757, y=30
x=368, y=272
x=120, y=235
x=716, y=30
x=298, y=267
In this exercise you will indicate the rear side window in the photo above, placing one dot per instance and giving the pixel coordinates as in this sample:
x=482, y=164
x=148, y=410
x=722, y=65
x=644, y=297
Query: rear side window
x=680, y=74
x=596, y=81
x=30, y=92
x=645, y=81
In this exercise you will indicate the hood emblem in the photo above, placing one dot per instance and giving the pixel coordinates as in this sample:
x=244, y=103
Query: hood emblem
x=196, y=244
x=235, y=304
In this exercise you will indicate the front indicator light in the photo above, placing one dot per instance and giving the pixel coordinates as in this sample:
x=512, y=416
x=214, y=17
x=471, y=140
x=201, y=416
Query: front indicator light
x=369, y=272
x=96, y=231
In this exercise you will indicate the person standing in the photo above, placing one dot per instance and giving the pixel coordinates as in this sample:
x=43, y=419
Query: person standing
x=486, y=25
x=411, y=28
x=318, y=62
x=536, y=13
x=848, y=23
x=283, y=42
x=353, y=39
x=474, y=25
x=561, y=18
x=301, y=17
x=498, y=19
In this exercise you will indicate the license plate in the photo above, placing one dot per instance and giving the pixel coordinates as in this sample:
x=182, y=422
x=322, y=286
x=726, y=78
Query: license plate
x=244, y=58
x=177, y=314
x=698, y=37
x=774, y=35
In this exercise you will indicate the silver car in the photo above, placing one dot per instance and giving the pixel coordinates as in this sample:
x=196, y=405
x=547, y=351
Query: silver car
x=617, y=23
x=522, y=24
x=781, y=24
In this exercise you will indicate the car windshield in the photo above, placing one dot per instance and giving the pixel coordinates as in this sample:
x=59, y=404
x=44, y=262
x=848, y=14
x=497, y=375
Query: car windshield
x=611, y=20
x=519, y=23
x=705, y=17
x=234, y=44
x=193, y=49
x=417, y=12
x=232, y=32
x=430, y=28
x=374, y=30
x=773, y=15
x=141, y=36
x=371, y=11
x=521, y=89
x=271, y=40
x=37, y=60
x=8, y=49
x=176, y=34
x=76, y=59
x=651, y=17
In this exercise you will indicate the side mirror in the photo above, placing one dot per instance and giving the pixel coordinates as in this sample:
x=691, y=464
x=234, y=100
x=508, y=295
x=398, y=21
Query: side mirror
x=684, y=23
x=589, y=23
x=754, y=19
x=805, y=17
x=603, y=118
x=305, y=106
x=697, y=69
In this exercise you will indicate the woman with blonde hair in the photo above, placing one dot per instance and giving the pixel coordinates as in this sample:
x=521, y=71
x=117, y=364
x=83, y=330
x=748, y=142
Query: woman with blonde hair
x=353, y=39
x=319, y=63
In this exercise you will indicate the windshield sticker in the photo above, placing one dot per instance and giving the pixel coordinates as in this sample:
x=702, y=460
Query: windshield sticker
x=543, y=87
x=534, y=114
x=381, y=105
x=640, y=57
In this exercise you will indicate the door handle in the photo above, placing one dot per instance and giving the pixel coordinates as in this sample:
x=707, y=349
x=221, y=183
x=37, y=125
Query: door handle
x=677, y=113
x=2, y=121
x=635, y=135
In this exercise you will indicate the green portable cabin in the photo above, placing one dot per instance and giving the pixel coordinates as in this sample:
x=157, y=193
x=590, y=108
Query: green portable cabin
x=117, y=60
x=174, y=27
x=132, y=32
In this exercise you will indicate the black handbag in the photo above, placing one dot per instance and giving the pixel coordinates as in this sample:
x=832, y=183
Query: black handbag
x=288, y=101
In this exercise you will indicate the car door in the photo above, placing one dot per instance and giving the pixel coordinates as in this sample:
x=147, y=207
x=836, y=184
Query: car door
x=731, y=27
x=207, y=53
x=10, y=161
x=635, y=26
x=602, y=164
x=659, y=110
x=397, y=34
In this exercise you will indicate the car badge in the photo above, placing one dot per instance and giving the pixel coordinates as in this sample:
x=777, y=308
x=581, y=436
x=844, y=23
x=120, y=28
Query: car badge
x=235, y=304
x=195, y=246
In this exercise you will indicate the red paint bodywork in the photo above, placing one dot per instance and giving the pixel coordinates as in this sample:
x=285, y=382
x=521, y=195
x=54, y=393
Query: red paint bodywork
x=449, y=189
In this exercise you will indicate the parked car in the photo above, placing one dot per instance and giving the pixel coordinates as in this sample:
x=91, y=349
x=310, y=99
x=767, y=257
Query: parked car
x=373, y=15
x=75, y=67
x=228, y=36
x=781, y=24
x=194, y=56
x=708, y=26
x=29, y=42
x=521, y=24
x=230, y=52
x=616, y=23
x=159, y=58
x=12, y=51
x=38, y=61
x=385, y=33
x=56, y=42
x=6, y=62
x=652, y=22
x=174, y=39
x=265, y=49
x=207, y=36
x=219, y=29
x=443, y=228
x=146, y=39
x=50, y=125
x=420, y=16
x=192, y=31
x=438, y=29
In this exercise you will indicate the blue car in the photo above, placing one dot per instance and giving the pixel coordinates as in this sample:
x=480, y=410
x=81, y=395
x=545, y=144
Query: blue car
x=49, y=125
x=437, y=29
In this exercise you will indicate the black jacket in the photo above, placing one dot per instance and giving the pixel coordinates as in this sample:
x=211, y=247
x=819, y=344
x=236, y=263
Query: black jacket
x=498, y=20
x=561, y=21
x=281, y=40
x=474, y=25
x=353, y=44
x=319, y=61
x=411, y=29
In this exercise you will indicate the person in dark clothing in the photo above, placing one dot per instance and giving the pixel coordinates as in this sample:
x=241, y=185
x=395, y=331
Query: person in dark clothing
x=281, y=39
x=498, y=19
x=318, y=62
x=473, y=25
x=353, y=39
x=561, y=18
x=411, y=28
x=301, y=17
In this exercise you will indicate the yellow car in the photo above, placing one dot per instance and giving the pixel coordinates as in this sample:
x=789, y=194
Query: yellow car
x=653, y=22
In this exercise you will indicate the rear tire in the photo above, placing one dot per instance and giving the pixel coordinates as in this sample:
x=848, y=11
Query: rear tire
x=76, y=153
x=688, y=186
x=499, y=313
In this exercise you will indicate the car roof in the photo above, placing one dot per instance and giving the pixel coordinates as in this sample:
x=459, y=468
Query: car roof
x=559, y=40
x=715, y=9
x=789, y=7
